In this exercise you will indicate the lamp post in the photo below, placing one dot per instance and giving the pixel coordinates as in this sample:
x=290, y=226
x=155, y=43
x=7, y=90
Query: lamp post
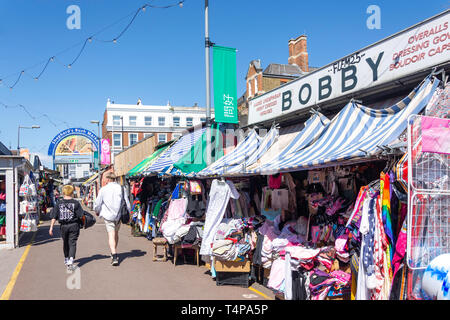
x=208, y=96
x=121, y=135
x=98, y=150
x=18, y=135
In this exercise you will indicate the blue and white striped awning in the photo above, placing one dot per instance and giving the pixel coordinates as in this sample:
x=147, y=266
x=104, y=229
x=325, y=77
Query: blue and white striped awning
x=307, y=134
x=356, y=133
x=175, y=152
x=264, y=144
x=242, y=151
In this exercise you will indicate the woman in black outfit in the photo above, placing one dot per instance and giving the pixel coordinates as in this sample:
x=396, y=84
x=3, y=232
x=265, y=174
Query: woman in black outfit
x=68, y=212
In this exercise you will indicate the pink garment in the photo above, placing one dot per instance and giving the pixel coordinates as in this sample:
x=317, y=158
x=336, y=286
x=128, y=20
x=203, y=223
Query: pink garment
x=177, y=209
x=400, y=249
x=275, y=182
x=277, y=274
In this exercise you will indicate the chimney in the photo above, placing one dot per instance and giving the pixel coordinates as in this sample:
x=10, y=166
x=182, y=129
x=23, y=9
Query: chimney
x=298, y=54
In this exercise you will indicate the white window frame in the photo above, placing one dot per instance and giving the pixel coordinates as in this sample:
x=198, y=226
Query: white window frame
x=129, y=138
x=120, y=140
x=134, y=123
x=165, y=137
x=179, y=121
x=146, y=135
x=164, y=121
x=146, y=122
x=118, y=120
x=187, y=121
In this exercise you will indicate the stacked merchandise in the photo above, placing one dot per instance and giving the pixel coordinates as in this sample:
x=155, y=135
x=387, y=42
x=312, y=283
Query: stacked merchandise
x=28, y=206
x=183, y=219
x=2, y=208
x=310, y=255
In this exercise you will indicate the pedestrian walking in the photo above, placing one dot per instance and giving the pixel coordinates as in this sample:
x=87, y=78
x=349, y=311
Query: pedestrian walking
x=107, y=205
x=68, y=212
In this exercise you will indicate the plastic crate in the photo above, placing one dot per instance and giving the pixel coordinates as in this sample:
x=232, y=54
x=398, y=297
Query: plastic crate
x=232, y=278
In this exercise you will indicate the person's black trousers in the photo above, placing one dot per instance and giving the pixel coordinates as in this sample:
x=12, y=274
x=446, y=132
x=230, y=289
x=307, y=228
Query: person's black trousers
x=69, y=234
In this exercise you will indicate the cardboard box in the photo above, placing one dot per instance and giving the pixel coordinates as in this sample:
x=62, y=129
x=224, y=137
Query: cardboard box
x=232, y=266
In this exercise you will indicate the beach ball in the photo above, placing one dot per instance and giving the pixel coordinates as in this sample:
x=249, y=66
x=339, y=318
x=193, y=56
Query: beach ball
x=436, y=278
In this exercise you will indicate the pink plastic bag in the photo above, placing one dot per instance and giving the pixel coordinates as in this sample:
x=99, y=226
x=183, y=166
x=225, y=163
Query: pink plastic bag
x=436, y=135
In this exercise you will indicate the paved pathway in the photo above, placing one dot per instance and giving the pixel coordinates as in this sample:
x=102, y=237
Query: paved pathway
x=43, y=274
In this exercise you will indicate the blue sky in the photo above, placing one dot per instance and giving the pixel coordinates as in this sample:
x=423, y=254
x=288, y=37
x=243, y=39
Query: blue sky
x=161, y=58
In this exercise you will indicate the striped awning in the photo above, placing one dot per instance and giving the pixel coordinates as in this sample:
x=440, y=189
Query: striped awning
x=91, y=179
x=242, y=151
x=252, y=157
x=291, y=139
x=175, y=152
x=356, y=133
x=144, y=164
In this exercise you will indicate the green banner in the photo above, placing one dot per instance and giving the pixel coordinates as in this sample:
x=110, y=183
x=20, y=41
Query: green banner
x=225, y=97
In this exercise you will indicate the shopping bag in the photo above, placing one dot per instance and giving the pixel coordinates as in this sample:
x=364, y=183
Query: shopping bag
x=2, y=207
x=25, y=226
x=27, y=188
x=23, y=207
x=3, y=231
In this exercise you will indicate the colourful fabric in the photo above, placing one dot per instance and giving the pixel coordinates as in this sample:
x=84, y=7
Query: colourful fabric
x=275, y=181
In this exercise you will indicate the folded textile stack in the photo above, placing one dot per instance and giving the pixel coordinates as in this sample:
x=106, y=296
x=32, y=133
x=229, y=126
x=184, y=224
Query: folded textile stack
x=321, y=283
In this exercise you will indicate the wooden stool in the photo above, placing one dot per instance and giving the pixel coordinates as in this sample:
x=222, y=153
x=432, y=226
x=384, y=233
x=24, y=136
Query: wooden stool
x=180, y=246
x=159, y=242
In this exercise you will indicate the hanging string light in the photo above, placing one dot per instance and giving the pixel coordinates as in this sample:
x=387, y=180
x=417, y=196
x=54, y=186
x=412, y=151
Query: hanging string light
x=90, y=39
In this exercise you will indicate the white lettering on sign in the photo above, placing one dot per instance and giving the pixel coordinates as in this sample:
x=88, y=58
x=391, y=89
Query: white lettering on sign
x=414, y=49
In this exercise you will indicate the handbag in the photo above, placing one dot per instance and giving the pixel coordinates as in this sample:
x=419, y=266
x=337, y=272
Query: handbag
x=123, y=211
x=88, y=220
x=24, y=190
x=28, y=224
x=2, y=207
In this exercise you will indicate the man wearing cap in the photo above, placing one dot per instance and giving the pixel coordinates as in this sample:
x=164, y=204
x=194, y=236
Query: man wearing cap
x=107, y=206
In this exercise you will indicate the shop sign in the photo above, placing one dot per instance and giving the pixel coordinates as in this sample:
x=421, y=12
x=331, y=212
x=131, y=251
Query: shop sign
x=417, y=48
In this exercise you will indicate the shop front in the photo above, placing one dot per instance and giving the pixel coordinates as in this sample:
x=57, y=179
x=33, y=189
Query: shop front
x=13, y=171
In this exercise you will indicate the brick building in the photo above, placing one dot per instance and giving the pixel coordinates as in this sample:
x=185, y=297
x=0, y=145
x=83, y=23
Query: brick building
x=259, y=81
x=125, y=125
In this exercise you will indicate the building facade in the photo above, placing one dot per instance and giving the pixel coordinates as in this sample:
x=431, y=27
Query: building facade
x=259, y=80
x=125, y=125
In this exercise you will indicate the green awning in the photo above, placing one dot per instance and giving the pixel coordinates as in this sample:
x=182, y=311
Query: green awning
x=195, y=160
x=141, y=166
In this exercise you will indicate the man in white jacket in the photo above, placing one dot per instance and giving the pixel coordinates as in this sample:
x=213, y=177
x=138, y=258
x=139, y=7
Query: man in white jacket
x=107, y=205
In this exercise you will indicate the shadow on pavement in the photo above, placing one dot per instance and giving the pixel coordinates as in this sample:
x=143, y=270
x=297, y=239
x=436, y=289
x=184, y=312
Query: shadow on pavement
x=131, y=254
x=82, y=261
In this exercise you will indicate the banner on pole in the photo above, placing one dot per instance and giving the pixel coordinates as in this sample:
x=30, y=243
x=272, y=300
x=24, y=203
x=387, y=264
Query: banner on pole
x=225, y=99
x=105, y=152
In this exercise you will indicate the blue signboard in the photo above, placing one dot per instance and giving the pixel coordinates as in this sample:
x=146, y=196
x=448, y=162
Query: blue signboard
x=71, y=132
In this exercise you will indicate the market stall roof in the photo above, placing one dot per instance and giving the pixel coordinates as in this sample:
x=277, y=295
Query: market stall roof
x=291, y=139
x=356, y=133
x=244, y=148
x=175, y=152
x=195, y=160
x=251, y=158
x=144, y=164
x=90, y=179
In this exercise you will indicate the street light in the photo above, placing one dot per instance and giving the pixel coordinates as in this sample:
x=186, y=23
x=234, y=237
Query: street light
x=18, y=135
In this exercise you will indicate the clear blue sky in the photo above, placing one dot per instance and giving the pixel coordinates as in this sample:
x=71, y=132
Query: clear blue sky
x=161, y=56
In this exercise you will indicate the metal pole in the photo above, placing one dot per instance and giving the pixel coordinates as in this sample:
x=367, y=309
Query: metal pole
x=18, y=140
x=99, y=149
x=208, y=97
